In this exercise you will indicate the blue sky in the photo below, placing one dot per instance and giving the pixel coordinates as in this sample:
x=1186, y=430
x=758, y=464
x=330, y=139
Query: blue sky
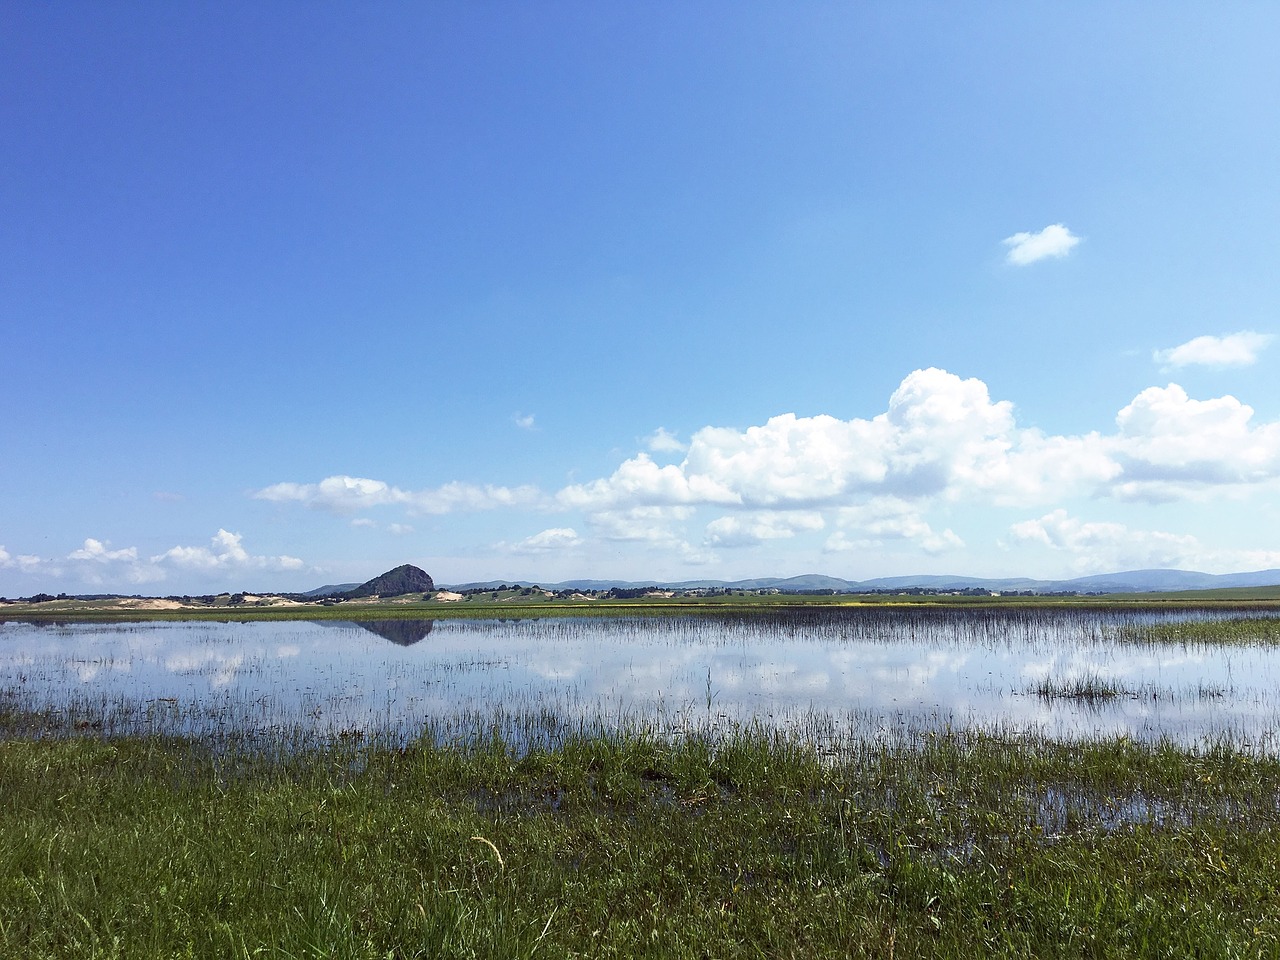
x=293, y=294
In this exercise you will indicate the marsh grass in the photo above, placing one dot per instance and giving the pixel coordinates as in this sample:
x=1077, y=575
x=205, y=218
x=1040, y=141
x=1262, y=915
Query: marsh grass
x=1227, y=631
x=1090, y=688
x=619, y=843
x=211, y=827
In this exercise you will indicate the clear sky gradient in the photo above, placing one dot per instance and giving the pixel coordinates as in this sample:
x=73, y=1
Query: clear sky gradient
x=293, y=293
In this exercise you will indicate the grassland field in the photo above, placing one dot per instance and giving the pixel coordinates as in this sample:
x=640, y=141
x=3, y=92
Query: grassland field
x=518, y=603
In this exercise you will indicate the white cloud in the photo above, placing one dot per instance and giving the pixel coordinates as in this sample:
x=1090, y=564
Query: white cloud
x=664, y=441
x=653, y=524
x=343, y=494
x=1054, y=240
x=941, y=436
x=548, y=541
x=944, y=439
x=1061, y=531
x=640, y=481
x=1172, y=446
x=97, y=564
x=225, y=552
x=1099, y=547
x=885, y=520
x=1037, y=468
x=399, y=529
x=27, y=562
x=97, y=551
x=749, y=529
x=92, y=563
x=524, y=421
x=1235, y=350
x=363, y=522
x=24, y=562
x=659, y=528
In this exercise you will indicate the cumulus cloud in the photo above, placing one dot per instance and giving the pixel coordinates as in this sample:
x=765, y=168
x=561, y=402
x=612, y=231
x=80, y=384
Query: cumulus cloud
x=749, y=529
x=399, y=529
x=1104, y=546
x=1061, y=531
x=654, y=527
x=1054, y=240
x=664, y=441
x=343, y=494
x=524, y=421
x=640, y=481
x=225, y=552
x=95, y=562
x=940, y=436
x=654, y=524
x=548, y=541
x=1235, y=350
x=944, y=439
x=24, y=561
x=941, y=441
x=1171, y=446
x=97, y=551
x=886, y=520
x=1036, y=468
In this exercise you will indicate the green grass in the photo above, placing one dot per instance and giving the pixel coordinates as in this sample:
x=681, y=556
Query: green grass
x=620, y=845
x=1242, y=631
x=1220, y=593
x=512, y=605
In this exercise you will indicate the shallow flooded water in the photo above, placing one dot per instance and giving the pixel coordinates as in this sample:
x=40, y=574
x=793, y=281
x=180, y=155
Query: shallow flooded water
x=830, y=674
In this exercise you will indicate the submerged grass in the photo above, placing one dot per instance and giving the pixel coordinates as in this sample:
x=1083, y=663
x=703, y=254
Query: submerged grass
x=1094, y=690
x=620, y=844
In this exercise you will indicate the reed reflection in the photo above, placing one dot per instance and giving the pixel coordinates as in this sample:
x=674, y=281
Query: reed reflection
x=1068, y=673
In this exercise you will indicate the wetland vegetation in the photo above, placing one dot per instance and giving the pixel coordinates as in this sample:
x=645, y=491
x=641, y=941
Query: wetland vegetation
x=808, y=782
x=618, y=844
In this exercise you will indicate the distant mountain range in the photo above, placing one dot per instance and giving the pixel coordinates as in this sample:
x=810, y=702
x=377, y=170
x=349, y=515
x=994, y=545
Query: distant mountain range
x=407, y=579
x=329, y=590
x=1132, y=581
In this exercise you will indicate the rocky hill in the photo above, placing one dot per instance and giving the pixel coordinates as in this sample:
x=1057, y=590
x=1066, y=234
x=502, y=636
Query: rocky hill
x=405, y=578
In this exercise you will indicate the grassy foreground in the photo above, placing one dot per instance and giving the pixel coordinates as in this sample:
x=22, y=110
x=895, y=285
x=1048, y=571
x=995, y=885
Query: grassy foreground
x=618, y=845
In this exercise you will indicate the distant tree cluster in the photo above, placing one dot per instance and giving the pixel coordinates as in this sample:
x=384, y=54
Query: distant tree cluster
x=627, y=593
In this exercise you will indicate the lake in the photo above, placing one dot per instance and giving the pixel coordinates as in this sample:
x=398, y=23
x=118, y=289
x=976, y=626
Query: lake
x=826, y=674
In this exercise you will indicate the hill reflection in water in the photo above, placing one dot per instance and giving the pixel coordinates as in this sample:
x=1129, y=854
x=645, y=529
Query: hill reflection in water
x=404, y=633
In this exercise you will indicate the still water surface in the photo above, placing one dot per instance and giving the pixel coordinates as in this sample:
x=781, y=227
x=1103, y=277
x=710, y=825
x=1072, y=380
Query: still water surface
x=841, y=673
